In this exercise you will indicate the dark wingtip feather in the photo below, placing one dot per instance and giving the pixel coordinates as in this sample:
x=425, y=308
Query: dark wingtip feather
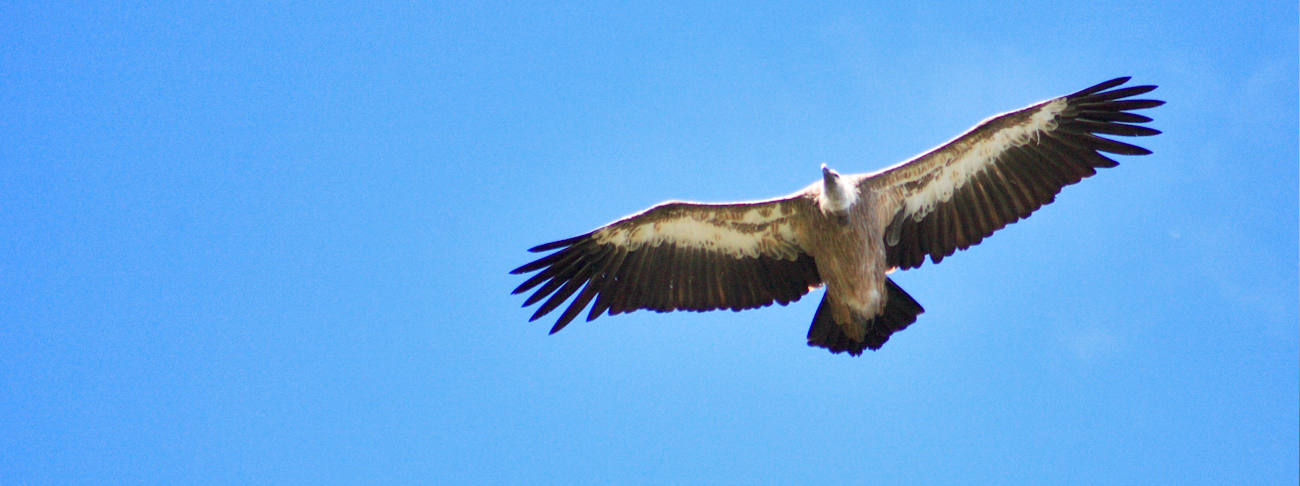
x=1114, y=94
x=1137, y=90
x=557, y=244
x=539, y=263
x=1125, y=105
x=523, y=287
x=1102, y=86
x=1116, y=147
x=541, y=311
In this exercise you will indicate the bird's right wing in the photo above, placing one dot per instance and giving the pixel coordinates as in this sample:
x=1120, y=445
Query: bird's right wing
x=678, y=256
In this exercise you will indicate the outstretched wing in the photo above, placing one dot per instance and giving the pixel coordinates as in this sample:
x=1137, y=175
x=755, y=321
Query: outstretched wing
x=677, y=256
x=1002, y=170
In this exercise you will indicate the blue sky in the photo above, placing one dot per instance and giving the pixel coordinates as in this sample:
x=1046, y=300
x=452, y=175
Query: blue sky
x=269, y=243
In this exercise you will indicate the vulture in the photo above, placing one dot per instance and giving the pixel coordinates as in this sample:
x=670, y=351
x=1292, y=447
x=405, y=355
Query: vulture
x=846, y=232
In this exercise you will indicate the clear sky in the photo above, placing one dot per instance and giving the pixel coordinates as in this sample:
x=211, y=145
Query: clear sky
x=252, y=243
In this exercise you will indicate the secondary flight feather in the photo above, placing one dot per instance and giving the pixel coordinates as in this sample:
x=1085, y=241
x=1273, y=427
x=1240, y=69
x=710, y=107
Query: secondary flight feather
x=844, y=232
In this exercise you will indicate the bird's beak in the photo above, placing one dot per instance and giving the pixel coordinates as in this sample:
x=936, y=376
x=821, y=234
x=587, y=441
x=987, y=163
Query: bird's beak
x=828, y=175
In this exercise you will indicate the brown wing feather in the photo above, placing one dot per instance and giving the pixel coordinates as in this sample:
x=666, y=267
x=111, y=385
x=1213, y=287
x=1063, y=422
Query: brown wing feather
x=1002, y=170
x=676, y=256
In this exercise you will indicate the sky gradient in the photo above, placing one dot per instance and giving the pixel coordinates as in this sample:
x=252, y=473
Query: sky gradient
x=243, y=243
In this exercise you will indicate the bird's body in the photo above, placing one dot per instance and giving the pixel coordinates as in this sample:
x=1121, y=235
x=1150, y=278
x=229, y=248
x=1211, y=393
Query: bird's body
x=846, y=232
x=849, y=249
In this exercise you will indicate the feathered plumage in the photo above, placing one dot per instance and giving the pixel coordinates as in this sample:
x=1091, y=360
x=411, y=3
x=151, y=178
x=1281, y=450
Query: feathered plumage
x=845, y=232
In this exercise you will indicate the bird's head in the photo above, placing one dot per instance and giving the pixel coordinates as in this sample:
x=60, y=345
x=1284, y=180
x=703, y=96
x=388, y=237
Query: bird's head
x=829, y=177
x=836, y=195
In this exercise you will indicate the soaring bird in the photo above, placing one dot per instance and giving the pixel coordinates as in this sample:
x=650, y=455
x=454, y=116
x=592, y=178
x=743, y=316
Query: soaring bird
x=846, y=232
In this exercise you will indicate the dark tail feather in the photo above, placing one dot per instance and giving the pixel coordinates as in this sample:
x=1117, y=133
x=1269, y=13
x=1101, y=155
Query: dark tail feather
x=900, y=311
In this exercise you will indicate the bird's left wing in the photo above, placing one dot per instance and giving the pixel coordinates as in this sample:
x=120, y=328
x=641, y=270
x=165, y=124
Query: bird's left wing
x=678, y=256
x=1002, y=170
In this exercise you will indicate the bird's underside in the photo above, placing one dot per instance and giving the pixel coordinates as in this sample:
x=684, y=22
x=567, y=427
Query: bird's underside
x=845, y=232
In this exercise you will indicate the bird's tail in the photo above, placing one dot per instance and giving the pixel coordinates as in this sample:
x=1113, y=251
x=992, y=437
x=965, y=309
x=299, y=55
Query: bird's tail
x=900, y=311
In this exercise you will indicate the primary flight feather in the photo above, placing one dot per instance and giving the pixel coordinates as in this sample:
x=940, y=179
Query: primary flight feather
x=846, y=232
